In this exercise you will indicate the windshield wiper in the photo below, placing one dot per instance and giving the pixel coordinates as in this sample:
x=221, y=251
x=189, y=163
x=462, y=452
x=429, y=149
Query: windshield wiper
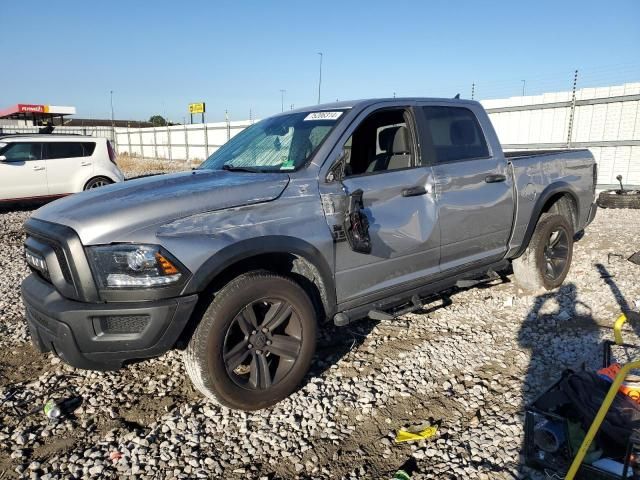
x=231, y=168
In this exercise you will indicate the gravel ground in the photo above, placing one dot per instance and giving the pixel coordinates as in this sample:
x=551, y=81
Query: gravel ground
x=469, y=366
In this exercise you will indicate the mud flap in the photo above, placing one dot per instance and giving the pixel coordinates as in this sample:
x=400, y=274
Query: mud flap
x=356, y=224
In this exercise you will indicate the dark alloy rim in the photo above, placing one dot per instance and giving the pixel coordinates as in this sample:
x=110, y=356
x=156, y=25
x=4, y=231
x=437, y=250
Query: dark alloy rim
x=262, y=343
x=97, y=183
x=556, y=252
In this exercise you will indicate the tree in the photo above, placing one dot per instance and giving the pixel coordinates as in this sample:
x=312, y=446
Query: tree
x=158, y=121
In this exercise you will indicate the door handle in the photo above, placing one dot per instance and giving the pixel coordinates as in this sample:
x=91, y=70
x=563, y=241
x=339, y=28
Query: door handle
x=495, y=178
x=38, y=167
x=414, y=191
x=85, y=164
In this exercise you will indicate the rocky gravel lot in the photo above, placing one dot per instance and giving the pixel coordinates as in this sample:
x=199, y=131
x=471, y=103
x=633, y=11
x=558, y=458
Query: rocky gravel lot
x=469, y=365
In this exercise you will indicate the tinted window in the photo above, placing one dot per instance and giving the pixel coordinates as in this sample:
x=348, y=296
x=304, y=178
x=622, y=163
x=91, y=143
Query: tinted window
x=88, y=147
x=23, y=151
x=65, y=150
x=454, y=133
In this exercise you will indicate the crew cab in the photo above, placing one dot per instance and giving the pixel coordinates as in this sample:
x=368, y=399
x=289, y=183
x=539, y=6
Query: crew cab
x=48, y=166
x=332, y=212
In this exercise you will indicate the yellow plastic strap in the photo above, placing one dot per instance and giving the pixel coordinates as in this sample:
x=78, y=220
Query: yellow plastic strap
x=617, y=328
x=404, y=436
x=597, y=421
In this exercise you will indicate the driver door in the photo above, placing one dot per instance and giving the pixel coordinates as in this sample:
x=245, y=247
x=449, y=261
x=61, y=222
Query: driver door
x=383, y=162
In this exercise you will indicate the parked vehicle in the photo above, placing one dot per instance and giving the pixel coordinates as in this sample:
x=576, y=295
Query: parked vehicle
x=44, y=167
x=332, y=212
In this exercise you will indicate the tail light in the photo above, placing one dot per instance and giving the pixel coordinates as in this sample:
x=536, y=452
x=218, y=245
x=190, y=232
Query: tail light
x=112, y=153
x=595, y=177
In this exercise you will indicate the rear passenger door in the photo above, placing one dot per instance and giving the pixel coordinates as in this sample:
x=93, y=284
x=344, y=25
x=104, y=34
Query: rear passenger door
x=69, y=165
x=473, y=188
x=23, y=171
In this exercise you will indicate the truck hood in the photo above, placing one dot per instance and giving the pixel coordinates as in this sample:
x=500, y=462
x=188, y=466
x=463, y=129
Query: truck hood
x=107, y=213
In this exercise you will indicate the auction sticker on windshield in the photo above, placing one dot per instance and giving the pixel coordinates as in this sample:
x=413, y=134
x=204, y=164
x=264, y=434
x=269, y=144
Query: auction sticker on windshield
x=323, y=116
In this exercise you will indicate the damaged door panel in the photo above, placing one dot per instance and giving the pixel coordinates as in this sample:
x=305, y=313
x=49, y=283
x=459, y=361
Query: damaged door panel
x=404, y=237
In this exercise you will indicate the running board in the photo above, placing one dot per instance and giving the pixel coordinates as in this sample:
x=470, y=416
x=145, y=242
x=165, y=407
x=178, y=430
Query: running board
x=472, y=282
x=414, y=299
x=415, y=303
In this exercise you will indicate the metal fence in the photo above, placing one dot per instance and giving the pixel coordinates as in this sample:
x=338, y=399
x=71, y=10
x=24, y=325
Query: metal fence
x=606, y=120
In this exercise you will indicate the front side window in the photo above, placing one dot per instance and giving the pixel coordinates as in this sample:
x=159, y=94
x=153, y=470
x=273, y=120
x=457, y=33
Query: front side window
x=282, y=143
x=65, y=150
x=382, y=142
x=454, y=134
x=22, y=151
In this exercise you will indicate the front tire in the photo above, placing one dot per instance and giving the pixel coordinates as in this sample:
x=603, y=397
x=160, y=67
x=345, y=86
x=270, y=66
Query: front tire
x=255, y=342
x=546, y=261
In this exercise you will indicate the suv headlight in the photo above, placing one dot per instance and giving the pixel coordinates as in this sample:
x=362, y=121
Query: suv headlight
x=133, y=266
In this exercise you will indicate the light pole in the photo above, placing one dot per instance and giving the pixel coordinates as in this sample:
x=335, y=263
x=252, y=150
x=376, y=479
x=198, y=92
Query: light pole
x=282, y=92
x=113, y=124
x=524, y=82
x=320, y=78
x=112, y=117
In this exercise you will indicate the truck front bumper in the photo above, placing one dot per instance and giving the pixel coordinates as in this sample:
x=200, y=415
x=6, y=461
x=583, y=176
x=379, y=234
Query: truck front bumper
x=102, y=336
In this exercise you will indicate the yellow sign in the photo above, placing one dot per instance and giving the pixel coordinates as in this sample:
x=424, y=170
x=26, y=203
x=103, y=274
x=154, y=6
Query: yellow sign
x=196, y=108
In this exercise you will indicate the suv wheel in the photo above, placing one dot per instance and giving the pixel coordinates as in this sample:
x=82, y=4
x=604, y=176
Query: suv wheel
x=254, y=343
x=97, y=182
x=546, y=261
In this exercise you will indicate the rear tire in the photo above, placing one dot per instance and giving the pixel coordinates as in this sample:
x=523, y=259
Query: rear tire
x=97, y=182
x=255, y=342
x=546, y=261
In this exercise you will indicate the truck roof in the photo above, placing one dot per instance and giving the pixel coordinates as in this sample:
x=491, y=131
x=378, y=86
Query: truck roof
x=363, y=103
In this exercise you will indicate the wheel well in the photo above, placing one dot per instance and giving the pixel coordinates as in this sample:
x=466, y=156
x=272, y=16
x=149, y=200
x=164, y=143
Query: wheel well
x=563, y=204
x=296, y=267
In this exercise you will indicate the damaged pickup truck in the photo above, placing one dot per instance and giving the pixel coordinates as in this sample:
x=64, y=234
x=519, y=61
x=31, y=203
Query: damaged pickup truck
x=335, y=212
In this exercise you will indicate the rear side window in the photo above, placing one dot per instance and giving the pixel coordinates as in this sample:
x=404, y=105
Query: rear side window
x=88, y=148
x=454, y=133
x=70, y=149
x=22, y=151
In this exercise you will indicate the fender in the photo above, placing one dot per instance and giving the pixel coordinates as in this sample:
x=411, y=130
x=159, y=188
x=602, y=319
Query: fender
x=251, y=247
x=551, y=190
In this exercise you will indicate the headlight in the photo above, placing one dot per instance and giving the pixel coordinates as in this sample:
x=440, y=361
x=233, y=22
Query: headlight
x=133, y=266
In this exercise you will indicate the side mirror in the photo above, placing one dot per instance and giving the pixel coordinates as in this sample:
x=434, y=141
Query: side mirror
x=356, y=224
x=3, y=158
x=336, y=172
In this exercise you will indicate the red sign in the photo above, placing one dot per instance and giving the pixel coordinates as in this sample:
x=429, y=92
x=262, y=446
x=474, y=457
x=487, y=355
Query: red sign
x=31, y=108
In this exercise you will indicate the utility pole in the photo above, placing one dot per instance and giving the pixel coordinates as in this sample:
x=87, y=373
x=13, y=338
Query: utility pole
x=112, y=116
x=113, y=123
x=573, y=109
x=320, y=78
x=282, y=92
x=524, y=83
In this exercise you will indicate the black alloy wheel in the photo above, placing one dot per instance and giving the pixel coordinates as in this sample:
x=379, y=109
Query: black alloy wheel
x=262, y=343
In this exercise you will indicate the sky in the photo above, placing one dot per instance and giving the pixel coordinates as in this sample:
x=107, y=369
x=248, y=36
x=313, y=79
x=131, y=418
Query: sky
x=159, y=56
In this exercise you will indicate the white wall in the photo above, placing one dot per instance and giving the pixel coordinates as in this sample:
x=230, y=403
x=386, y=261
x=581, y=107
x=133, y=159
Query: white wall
x=606, y=120
x=178, y=142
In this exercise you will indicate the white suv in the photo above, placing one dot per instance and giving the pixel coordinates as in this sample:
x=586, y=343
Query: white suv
x=46, y=166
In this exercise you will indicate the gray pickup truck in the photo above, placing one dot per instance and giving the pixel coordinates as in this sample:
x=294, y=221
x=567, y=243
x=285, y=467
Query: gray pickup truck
x=334, y=212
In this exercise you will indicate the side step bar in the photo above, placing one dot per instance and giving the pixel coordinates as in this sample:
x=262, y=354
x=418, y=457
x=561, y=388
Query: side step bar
x=416, y=300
